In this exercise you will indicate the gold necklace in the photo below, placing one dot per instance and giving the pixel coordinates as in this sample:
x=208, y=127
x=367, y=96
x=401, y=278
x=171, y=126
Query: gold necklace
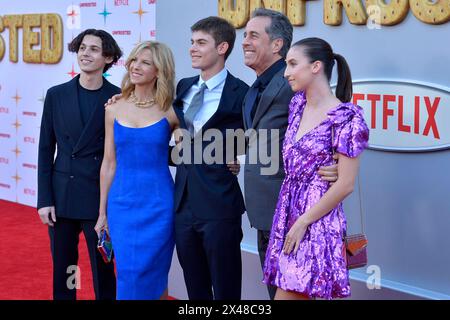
x=141, y=104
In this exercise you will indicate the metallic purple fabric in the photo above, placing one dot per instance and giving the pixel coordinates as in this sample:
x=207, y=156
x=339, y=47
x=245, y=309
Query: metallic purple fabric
x=318, y=268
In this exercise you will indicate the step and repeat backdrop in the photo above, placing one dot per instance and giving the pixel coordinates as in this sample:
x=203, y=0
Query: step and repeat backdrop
x=400, y=60
x=33, y=57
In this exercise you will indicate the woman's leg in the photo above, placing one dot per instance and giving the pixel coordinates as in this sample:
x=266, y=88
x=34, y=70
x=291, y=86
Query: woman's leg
x=289, y=295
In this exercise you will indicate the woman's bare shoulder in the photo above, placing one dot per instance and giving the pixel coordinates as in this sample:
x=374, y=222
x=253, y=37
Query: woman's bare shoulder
x=114, y=108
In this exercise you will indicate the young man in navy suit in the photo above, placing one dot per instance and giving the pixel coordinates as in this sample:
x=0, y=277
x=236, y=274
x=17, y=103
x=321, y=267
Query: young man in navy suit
x=208, y=200
x=68, y=186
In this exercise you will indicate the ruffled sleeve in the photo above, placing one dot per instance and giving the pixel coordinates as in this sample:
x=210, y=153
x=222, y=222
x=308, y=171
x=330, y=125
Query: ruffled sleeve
x=351, y=134
x=296, y=105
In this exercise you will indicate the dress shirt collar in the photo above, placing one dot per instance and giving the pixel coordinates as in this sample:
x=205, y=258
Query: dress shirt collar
x=270, y=72
x=215, y=80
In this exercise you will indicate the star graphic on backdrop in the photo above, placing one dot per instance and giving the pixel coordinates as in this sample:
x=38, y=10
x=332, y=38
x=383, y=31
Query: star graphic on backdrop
x=16, y=151
x=106, y=75
x=17, y=124
x=16, y=177
x=17, y=97
x=72, y=73
x=104, y=13
x=73, y=14
x=140, y=12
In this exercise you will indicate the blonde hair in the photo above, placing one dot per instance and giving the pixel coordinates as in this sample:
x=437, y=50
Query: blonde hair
x=164, y=63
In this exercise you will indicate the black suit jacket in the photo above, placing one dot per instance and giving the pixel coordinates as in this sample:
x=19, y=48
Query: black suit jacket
x=212, y=191
x=71, y=182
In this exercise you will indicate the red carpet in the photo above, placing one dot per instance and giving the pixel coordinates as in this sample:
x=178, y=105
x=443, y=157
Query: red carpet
x=25, y=259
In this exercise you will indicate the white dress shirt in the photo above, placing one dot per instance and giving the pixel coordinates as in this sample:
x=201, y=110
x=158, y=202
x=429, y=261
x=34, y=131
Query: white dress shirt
x=211, y=98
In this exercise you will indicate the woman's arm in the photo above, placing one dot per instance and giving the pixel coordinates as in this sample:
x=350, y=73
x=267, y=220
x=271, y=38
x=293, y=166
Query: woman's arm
x=108, y=167
x=173, y=120
x=348, y=169
x=175, y=127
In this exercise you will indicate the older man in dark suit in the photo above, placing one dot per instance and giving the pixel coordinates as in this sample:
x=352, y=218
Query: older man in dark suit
x=267, y=38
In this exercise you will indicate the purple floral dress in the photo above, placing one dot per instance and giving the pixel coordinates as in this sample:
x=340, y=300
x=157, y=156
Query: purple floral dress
x=318, y=269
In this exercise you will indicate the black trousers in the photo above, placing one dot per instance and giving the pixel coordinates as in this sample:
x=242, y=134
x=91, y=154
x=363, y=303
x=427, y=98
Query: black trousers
x=210, y=254
x=64, y=237
x=263, y=242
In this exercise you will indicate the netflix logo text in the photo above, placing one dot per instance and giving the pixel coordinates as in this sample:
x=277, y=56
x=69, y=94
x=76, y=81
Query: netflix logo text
x=29, y=140
x=404, y=116
x=29, y=192
x=390, y=103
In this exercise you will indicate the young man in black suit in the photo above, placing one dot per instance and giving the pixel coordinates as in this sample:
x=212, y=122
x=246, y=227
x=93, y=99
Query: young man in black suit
x=68, y=186
x=208, y=199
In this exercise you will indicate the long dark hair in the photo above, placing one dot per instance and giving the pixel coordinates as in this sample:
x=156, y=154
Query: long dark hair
x=110, y=48
x=317, y=49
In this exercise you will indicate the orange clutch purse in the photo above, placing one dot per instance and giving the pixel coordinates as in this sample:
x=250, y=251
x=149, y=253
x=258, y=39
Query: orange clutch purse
x=356, y=250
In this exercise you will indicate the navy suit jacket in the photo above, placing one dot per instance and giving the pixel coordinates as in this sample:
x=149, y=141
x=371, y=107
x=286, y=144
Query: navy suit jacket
x=211, y=190
x=71, y=182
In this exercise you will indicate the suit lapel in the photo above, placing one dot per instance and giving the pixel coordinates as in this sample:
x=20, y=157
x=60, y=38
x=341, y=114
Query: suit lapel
x=178, y=103
x=72, y=112
x=96, y=120
x=243, y=111
x=268, y=95
x=226, y=102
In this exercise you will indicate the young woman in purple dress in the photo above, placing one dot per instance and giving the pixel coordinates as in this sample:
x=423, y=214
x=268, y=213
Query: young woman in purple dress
x=305, y=256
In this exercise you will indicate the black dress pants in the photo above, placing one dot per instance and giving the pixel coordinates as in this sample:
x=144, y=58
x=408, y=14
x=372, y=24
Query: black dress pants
x=210, y=254
x=64, y=237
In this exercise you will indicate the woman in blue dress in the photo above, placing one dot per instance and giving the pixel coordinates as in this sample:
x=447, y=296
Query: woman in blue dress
x=135, y=182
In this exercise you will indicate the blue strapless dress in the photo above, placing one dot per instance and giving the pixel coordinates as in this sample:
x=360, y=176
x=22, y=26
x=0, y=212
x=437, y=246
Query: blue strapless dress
x=140, y=210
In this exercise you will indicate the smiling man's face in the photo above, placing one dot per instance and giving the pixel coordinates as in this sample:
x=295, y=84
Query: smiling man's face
x=257, y=45
x=90, y=55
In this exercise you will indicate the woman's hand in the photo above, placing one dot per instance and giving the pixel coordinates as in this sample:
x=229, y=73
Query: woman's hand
x=294, y=236
x=101, y=224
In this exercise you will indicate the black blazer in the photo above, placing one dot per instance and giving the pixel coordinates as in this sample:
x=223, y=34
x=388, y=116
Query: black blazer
x=71, y=182
x=212, y=191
